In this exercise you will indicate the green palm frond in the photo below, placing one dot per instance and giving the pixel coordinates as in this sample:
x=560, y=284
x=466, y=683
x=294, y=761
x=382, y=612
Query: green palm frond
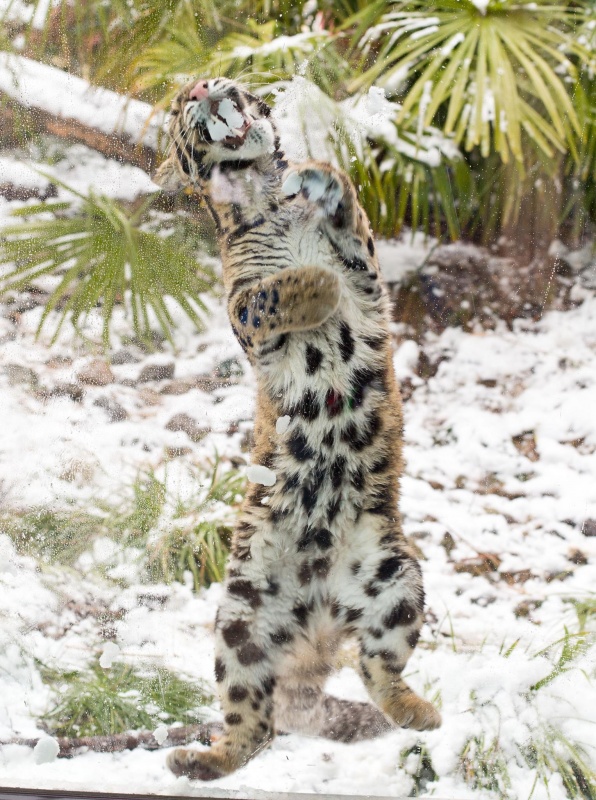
x=103, y=257
x=258, y=52
x=489, y=76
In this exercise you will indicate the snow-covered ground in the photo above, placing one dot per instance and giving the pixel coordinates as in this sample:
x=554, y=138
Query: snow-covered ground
x=499, y=496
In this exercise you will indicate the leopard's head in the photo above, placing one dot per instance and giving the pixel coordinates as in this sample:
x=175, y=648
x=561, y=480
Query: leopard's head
x=214, y=121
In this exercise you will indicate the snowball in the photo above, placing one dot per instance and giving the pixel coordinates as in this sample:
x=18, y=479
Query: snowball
x=375, y=100
x=231, y=114
x=292, y=184
x=282, y=424
x=110, y=652
x=160, y=734
x=46, y=750
x=217, y=129
x=258, y=474
x=316, y=185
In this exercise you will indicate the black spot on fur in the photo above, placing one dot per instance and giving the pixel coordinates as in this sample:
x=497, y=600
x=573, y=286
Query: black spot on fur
x=359, y=438
x=245, y=591
x=269, y=685
x=380, y=466
x=291, y=483
x=308, y=407
x=371, y=246
x=403, y=613
x=305, y=573
x=299, y=448
x=237, y=693
x=412, y=638
x=358, y=479
x=374, y=342
x=309, y=497
x=346, y=342
x=272, y=587
x=313, y=359
x=355, y=567
x=236, y=633
x=301, y=612
x=323, y=538
x=354, y=614
x=281, y=636
x=393, y=669
x=220, y=670
x=333, y=510
x=375, y=633
x=329, y=438
x=388, y=567
x=362, y=380
x=320, y=567
x=336, y=471
x=365, y=672
x=233, y=719
x=371, y=590
x=250, y=654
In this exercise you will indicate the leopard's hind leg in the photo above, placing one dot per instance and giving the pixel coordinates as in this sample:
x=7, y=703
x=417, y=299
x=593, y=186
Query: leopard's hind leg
x=387, y=643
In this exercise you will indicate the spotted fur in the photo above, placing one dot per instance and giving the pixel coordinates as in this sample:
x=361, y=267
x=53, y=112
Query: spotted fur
x=320, y=555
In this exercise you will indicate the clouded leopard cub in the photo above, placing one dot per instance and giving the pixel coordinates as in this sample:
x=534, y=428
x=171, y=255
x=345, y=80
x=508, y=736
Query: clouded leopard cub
x=320, y=554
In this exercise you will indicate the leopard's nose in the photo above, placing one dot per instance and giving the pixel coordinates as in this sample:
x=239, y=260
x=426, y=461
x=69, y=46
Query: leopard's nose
x=200, y=91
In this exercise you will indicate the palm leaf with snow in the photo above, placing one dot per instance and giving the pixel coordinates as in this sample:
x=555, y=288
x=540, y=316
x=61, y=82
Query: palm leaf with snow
x=491, y=73
x=102, y=257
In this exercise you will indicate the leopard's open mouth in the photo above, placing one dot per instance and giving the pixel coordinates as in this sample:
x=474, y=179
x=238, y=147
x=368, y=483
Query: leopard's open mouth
x=227, y=112
x=222, y=120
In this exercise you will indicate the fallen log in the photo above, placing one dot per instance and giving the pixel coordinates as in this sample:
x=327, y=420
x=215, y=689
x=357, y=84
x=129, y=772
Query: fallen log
x=37, y=98
x=204, y=733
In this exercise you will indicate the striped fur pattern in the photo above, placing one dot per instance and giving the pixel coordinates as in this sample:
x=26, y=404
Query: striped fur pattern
x=319, y=555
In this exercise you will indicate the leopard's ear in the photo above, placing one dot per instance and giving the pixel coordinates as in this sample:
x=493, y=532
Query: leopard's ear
x=168, y=176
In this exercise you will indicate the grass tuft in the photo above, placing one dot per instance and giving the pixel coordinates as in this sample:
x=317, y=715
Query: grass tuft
x=107, y=701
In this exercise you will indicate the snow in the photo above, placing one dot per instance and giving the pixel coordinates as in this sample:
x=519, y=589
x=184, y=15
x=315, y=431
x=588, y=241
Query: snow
x=46, y=750
x=160, y=734
x=464, y=477
x=282, y=424
x=256, y=473
x=230, y=113
x=50, y=89
x=292, y=184
x=109, y=654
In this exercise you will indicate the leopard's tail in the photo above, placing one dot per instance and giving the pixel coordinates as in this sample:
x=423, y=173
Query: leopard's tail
x=301, y=705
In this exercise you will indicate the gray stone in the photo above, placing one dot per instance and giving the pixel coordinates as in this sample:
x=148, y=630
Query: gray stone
x=115, y=411
x=157, y=372
x=185, y=423
x=96, y=373
x=19, y=375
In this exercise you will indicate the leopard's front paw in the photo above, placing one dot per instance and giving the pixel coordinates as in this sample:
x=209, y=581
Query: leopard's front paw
x=195, y=764
x=317, y=185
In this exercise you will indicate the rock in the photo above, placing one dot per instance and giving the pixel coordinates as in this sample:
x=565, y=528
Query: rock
x=589, y=527
x=124, y=357
x=176, y=387
x=96, y=373
x=157, y=372
x=19, y=375
x=176, y=452
x=182, y=422
x=230, y=368
x=578, y=557
x=525, y=444
x=482, y=564
x=115, y=411
x=72, y=390
x=59, y=362
x=150, y=397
